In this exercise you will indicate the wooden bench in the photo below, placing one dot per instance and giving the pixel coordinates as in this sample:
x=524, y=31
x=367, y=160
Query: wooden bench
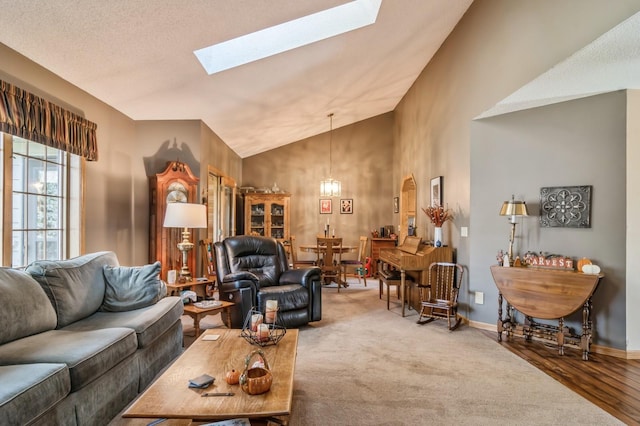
x=392, y=279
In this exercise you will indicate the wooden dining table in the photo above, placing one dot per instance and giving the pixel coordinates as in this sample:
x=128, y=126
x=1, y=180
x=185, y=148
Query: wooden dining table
x=313, y=248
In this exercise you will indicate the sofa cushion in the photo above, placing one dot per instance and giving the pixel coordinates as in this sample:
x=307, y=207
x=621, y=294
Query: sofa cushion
x=132, y=287
x=149, y=323
x=88, y=354
x=24, y=306
x=30, y=389
x=75, y=286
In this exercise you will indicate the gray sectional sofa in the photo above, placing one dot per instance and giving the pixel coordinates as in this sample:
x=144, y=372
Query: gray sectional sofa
x=80, y=338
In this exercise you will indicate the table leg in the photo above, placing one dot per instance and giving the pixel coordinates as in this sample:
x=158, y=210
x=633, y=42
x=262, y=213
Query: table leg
x=196, y=324
x=560, y=336
x=500, y=325
x=402, y=289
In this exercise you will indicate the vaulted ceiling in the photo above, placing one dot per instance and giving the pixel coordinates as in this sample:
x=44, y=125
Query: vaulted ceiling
x=138, y=57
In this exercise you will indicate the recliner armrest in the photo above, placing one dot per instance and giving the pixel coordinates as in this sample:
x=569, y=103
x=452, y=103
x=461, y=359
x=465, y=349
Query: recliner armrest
x=240, y=279
x=239, y=276
x=304, y=276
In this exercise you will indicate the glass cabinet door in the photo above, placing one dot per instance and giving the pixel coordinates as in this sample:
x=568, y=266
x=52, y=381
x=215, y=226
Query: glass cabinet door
x=277, y=221
x=257, y=219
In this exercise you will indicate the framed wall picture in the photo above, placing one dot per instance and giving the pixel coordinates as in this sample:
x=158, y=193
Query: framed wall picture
x=436, y=191
x=346, y=206
x=325, y=206
x=396, y=204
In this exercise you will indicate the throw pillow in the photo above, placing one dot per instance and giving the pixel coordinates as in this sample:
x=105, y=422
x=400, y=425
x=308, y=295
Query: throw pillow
x=132, y=287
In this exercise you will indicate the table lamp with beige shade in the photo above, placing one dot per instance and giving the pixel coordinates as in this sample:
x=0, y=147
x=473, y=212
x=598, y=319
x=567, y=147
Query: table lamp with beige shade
x=513, y=208
x=186, y=216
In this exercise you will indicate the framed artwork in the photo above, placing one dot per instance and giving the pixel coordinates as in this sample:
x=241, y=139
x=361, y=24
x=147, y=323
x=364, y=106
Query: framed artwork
x=325, y=206
x=396, y=204
x=565, y=206
x=436, y=191
x=346, y=206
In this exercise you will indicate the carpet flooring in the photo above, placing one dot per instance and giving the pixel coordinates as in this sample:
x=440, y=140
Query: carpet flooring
x=365, y=365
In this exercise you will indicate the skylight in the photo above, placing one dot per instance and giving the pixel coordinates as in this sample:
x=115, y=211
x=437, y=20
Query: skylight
x=288, y=36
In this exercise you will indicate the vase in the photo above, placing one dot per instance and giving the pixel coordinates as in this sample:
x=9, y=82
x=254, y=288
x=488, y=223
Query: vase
x=437, y=237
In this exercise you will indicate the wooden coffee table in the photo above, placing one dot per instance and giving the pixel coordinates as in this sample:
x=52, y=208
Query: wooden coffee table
x=169, y=397
x=198, y=313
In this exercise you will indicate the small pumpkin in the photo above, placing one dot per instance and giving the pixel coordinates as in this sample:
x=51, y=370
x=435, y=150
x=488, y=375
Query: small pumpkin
x=232, y=377
x=583, y=261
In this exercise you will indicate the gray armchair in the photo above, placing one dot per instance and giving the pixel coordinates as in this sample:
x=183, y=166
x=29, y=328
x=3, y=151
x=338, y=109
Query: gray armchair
x=251, y=270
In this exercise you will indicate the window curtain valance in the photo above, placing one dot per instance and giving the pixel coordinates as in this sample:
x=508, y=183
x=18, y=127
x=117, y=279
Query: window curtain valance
x=28, y=116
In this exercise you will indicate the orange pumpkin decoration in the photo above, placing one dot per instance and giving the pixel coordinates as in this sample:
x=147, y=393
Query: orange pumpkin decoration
x=582, y=262
x=232, y=377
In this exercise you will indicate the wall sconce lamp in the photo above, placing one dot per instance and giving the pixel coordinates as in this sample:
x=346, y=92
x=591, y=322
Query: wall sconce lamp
x=512, y=209
x=185, y=215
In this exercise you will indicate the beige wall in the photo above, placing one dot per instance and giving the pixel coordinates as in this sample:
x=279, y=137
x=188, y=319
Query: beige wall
x=362, y=161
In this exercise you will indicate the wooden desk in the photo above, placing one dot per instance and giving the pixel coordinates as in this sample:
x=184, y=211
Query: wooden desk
x=169, y=397
x=545, y=294
x=376, y=245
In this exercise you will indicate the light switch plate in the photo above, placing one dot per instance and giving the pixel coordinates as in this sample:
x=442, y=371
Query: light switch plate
x=479, y=298
x=464, y=231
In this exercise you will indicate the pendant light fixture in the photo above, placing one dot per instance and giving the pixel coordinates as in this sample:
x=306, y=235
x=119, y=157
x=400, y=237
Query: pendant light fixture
x=330, y=187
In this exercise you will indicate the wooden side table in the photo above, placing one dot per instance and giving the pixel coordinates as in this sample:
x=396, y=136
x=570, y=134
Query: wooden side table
x=198, y=313
x=199, y=286
x=545, y=294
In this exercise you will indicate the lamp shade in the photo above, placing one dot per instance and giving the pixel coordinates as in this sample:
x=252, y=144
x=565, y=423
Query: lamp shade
x=185, y=215
x=514, y=208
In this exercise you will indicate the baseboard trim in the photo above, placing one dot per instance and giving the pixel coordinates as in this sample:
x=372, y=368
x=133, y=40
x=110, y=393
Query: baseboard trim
x=597, y=349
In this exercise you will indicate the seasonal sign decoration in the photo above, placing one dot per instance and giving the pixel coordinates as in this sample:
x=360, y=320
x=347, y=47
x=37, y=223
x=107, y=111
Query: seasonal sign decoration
x=552, y=261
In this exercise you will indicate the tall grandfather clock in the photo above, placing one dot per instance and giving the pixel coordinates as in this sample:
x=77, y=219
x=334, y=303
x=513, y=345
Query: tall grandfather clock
x=177, y=184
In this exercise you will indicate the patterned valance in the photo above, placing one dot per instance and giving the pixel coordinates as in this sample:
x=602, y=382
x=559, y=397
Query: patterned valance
x=28, y=116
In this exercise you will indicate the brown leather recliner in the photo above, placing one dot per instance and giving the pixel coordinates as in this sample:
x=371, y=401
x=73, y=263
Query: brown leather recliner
x=251, y=270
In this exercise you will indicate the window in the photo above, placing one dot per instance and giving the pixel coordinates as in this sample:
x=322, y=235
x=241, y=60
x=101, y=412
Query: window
x=44, y=205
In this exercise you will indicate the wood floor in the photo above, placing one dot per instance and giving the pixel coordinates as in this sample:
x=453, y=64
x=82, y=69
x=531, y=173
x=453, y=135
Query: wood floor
x=611, y=383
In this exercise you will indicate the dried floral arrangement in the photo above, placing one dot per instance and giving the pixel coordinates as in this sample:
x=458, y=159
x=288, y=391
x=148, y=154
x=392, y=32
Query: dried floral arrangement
x=438, y=215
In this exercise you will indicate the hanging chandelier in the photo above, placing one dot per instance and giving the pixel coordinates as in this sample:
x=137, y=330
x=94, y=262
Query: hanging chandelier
x=330, y=187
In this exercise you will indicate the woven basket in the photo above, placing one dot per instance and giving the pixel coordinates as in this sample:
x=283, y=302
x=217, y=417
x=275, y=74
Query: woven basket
x=256, y=380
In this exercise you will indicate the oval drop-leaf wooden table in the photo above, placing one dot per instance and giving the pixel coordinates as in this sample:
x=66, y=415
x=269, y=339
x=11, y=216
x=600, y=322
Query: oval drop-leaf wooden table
x=545, y=294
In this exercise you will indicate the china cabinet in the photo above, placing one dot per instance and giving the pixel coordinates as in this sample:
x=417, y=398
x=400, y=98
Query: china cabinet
x=267, y=215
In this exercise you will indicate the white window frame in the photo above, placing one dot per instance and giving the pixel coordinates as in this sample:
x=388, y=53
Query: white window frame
x=72, y=227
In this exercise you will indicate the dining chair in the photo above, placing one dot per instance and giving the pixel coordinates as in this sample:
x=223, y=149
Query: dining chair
x=439, y=298
x=329, y=260
x=295, y=262
x=359, y=263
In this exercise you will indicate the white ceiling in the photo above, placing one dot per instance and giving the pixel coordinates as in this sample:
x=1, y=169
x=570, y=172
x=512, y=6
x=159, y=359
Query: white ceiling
x=137, y=56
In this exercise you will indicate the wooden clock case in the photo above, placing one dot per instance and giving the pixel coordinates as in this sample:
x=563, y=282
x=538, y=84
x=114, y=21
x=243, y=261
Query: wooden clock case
x=175, y=184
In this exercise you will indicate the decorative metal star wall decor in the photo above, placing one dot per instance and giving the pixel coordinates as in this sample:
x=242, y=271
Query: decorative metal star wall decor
x=565, y=206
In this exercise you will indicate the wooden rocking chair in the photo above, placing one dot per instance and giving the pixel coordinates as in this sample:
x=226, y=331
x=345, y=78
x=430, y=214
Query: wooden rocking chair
x=439, y=298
